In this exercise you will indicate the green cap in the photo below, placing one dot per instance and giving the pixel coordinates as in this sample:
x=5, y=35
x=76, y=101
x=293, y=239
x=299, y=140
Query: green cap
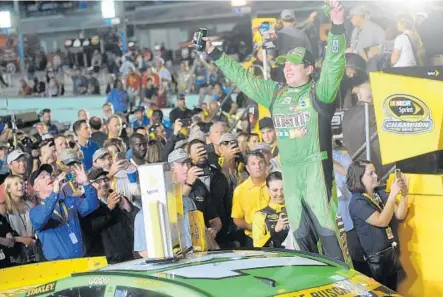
x=298, y=55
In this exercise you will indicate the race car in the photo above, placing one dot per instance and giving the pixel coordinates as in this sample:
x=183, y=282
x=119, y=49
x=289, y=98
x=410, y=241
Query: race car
x=266, y=272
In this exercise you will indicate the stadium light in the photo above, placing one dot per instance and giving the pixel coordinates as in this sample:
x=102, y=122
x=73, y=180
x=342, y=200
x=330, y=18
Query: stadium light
x=5, y=19
x=239, y=3
x=108, y=9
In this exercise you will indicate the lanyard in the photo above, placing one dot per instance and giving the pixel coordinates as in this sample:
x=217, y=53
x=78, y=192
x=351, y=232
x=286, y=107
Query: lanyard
x=373, y=201
x=65, y=216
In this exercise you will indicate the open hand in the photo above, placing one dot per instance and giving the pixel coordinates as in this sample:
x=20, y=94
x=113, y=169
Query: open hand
x=80, y=175
x=337, y=12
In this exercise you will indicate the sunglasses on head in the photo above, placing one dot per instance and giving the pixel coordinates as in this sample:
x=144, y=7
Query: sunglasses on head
x=232, y=142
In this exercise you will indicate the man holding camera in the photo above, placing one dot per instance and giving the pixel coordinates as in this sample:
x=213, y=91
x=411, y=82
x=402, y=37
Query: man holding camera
x=181, y=111
x=218, y=187
x=302, y=110
x=56, y=220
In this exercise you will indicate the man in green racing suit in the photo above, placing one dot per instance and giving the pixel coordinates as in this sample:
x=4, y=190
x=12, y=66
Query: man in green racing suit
x=302, y=111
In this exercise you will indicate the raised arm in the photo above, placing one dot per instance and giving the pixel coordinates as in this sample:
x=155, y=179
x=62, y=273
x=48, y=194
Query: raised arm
x=40, y=214
x=88, y=204
x=259, y=90
x=335, y=61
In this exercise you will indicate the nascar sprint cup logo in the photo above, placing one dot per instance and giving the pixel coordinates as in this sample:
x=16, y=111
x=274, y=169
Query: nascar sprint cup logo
x=406, y=114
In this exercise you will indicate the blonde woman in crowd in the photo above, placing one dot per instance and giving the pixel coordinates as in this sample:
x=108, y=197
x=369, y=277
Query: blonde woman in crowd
x=17, y=214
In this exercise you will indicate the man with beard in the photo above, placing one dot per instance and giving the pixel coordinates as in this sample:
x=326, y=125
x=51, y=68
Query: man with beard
x=218, y=187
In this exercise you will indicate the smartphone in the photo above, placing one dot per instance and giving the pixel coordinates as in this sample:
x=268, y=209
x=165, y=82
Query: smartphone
x=121, y=156
x=186, y=122
x=398, y=173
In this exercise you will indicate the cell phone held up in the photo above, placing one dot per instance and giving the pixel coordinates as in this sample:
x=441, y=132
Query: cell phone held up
x=199, y=43
x=186, y=122
x=399, y=177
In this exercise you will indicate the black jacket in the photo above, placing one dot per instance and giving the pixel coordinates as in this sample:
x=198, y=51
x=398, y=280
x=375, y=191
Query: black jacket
x=169, y=145
x=109, y=233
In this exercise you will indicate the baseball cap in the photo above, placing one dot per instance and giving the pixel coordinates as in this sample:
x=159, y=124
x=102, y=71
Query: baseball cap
x=287, y=15
x=100, y=153
x=200, y=135
x=181, y=96
x=359, y=10
x=180, y=144
x=266, y=123
x=14, y=155
x=262, y=146
x=35, y=174
x=178, y=156
x=139, y=109
x=68, y=156
x=298, y=55
x=227, y=137
x=96, y=173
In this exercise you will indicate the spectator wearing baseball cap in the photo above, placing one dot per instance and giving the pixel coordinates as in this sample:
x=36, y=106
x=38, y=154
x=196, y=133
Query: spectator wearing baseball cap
x=366, y=33
x=109, y=223
x=68, y=159
x=289, y=36
x=268, y=134
x=17, y=162
x=181, y=111
x=266, y=150
x=141, y=120
x=56, y=220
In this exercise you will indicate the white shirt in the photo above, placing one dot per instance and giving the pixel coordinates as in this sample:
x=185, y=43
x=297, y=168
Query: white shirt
x=407, y=58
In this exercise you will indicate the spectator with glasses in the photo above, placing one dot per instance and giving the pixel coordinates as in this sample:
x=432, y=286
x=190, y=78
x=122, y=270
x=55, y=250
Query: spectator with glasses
x=251, y=195
x=56, y=220
x=108, y=230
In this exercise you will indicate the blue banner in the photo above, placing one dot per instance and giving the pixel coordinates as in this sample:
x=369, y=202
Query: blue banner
x=123, y=41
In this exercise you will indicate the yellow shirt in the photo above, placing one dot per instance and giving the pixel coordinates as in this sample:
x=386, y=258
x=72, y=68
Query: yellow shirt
x=260, y=232
x=248, y=199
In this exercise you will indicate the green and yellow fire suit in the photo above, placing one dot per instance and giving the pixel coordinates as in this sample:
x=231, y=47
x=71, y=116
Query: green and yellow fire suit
x=302, y=119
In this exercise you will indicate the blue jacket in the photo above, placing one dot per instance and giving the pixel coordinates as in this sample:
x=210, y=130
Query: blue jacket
x=119, y=100
x=143, y=123
x=62, y=238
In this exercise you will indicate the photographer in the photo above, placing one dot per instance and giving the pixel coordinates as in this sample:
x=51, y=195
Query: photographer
x=110, y=223
x=218, y=187
x=181, y=111
x=375, y=216
x=55, y=220
x=173, y=139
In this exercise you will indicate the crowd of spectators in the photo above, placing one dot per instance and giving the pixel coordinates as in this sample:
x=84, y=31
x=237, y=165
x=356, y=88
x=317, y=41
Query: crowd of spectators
x=75, y=194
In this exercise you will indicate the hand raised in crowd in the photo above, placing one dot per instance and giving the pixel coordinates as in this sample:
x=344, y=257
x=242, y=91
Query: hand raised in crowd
x=404, y=185
x=80, y=175
x=125, y=204
x=57, y=182
x=282, y=222
x=337, y=12
x=395, y=188
x=113, y=200
x=193, y=174
x=202, y=152
x=231, y=153
x=117, y=166
x=178, y=125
